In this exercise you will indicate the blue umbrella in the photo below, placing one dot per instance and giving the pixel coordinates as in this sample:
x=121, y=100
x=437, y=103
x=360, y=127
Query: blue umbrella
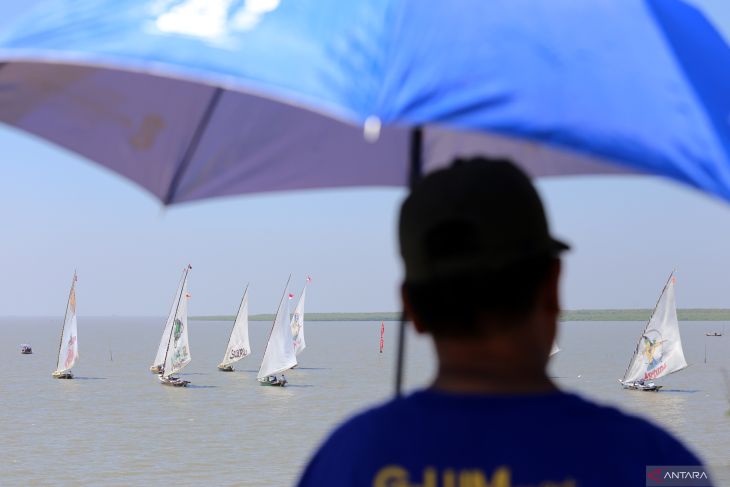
x=194, y=99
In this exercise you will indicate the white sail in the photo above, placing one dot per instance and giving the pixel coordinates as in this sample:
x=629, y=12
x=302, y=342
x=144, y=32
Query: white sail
x=279, y=354
x=297, y=323
x=659, y=351
x=164, y=339
x=68, y=350
x=238, y=344
x=555, y=349
x=178, y=347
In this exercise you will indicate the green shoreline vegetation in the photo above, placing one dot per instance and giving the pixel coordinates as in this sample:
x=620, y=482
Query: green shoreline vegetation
x=690, y=314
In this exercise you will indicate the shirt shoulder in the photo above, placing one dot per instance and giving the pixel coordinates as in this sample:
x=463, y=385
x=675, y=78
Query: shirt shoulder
x=336, y=461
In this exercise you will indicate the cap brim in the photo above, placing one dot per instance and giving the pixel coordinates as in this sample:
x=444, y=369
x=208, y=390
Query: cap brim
x=557, y=246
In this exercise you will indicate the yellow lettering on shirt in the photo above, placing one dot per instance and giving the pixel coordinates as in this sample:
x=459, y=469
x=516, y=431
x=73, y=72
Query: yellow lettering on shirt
x=396, y=476
x=391, y=476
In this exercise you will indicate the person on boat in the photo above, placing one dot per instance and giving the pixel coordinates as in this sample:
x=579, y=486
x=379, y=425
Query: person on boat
x=482, y=276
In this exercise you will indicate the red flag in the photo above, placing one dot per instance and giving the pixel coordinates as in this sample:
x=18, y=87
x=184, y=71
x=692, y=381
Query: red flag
x=309, y=279
x=382, y=332
x=291, y=296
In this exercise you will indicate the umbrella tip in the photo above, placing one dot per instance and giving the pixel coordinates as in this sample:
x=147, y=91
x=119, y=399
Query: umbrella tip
x=371, y=129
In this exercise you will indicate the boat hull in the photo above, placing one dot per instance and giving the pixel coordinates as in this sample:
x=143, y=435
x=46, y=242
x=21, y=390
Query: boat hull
x=156, y=369
x=273, y=381
x=63, y=375
x=28, y=352
x=225, y=368
x=649, y=387
x=173, y=381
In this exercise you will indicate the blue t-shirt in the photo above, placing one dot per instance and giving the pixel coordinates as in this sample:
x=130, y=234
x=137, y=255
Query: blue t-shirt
x=438, y=439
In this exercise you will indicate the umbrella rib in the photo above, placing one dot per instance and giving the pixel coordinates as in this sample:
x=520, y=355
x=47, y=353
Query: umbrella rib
x=193, y=145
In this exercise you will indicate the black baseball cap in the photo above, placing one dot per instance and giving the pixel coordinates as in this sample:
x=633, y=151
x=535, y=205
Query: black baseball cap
x=477, y=215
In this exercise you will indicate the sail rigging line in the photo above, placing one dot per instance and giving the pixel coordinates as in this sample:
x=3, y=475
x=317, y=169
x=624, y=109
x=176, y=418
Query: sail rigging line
x=646, y=327
x=415, y=173
x=172, y=328
x=65, y=315
x=276, y=315
x=170, y=316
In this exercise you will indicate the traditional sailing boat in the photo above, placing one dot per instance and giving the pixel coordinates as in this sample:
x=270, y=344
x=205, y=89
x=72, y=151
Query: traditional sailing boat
x=297, y=322
x=177, y=348
x=659, y=351
x=156, y=367
x=68, y=348
x=279, y=355
x=238, y=345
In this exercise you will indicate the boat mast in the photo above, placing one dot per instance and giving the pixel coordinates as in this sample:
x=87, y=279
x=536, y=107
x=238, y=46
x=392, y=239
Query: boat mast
x=172, y=328
x=63, y=326
x=277, y=314
x=643, y=332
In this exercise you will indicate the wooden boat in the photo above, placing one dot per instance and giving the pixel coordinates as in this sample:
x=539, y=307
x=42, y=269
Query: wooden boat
x=641, y=385
x=238, y=343
x=68, y=347
x=659, y=350
x=177, y=347
x=156, y=367
x=279, y=355
x=172, y=381
x=279, y=381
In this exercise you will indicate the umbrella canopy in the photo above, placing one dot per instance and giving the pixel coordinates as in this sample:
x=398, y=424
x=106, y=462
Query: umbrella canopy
x=200, y=98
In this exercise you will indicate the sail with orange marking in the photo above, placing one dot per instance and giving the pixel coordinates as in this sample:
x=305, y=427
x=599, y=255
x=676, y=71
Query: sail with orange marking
x=68, y=349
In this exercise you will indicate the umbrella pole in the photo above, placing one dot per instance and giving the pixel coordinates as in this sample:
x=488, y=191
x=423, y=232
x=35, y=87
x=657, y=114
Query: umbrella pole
x=414, y=175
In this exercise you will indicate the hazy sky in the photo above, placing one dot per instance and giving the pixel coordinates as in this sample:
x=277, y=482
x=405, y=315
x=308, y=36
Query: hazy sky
x=61, y=212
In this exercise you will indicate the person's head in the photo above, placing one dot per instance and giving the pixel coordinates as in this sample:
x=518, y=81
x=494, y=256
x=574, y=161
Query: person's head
x=479, y=259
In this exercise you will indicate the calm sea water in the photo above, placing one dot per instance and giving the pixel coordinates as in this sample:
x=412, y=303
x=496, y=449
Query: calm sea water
x=116, y=425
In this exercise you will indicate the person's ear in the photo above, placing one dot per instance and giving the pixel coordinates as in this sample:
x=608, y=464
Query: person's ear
x=408, y=309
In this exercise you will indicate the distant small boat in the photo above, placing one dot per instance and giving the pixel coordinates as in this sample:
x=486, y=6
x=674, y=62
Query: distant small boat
x=238, y=344
x=555, y=349
x=68, y=347
x=659, y=350
x=713, y=334
x=297, y=322
x=177, y=348
x=26, y=349
x=279, y=355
